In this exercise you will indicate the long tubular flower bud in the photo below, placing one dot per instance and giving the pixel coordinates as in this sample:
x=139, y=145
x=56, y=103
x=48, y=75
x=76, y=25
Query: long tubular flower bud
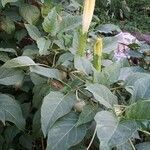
x=98, y=48
x=88, y=11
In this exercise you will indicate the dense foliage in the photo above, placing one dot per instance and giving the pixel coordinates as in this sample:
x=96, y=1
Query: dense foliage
x=52, y=98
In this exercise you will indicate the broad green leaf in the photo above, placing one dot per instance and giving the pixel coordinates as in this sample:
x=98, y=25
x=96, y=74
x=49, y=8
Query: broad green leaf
x=7, y=25
x=83, y=65
x=110, y=44
x=102, y=94
x=110, y=73
x=139, y=84
x=88, y=113
x=127, y=71
x=4, y=2
x=30, y=13
x=106, y=125
x=33, y=31
x=46, y=72
x=108, y=28
x=43, y=45
x=65, y=134
x=138, y=111
x=51, y=23
x=111, y=132
x=21, y=61
x=143, y=146
x=10, y=76
x=124, y=131
x=55, y=105
x=70, y=22
x=10, y=111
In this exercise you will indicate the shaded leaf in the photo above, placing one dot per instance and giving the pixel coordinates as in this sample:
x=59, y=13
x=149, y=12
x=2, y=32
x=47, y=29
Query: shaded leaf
x=10, y=111
x=7, y=25
x=10, y=76
x=87, y=114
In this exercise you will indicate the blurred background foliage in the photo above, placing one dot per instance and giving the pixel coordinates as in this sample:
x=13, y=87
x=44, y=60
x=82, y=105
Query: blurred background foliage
x=132, y=15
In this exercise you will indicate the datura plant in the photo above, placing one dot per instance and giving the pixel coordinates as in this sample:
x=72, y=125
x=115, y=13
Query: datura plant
x=62, y=86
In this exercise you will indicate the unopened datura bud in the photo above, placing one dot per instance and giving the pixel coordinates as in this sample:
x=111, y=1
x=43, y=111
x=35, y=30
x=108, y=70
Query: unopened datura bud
x=79, y=106
x=97, y=54
x=88, y=11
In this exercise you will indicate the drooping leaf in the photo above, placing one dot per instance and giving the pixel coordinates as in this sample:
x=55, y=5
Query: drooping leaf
x=138, y=111
x=43, y=45
x=10, y=76
x=102, y=94
x=30, y=13
x=46, y=72
x=10, y=111
x=55, y=105
x=33, y=31
x=21, y=61
x=65, y=134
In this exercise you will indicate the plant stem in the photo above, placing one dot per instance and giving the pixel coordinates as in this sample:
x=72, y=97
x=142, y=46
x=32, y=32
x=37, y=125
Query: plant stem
x=146, y=132
x=82, y=44
x=132, y=145
x=92, y=139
